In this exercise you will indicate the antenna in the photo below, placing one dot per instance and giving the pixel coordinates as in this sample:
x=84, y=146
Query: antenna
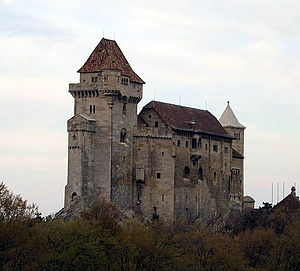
x=102, y=33
x=154, y=95
x=205, y=104
x=283, y=189
x=179, y=100
x=277, y=192
x=272, y=193
x=114, y=36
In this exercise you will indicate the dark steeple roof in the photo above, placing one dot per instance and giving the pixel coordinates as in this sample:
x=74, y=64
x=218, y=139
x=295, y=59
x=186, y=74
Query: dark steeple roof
x=187, y=118
x=108, y=56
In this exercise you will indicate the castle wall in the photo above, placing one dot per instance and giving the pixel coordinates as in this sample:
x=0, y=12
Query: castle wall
x=154, y=175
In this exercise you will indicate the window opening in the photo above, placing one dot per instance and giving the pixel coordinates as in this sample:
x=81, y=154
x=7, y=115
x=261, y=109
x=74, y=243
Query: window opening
x=124, y=109
x=156, y=124
x=186, y=172
x=194, y=143
x=200, y=173
x=215, y=148
x=123, y=135
x=178, y=143
x=186, y=144
x=163, y=197
x=158, y=175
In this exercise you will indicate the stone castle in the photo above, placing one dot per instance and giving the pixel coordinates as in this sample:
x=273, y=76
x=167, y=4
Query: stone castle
x=167, y=161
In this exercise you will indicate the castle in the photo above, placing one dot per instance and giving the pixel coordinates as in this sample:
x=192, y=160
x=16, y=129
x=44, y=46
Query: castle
x=167, y=161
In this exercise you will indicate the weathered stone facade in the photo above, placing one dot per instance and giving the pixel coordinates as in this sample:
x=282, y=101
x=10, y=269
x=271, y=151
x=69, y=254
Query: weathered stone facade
x=167, y=161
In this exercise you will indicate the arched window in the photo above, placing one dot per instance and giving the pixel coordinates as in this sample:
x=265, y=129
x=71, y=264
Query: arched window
x=200, y=173
x=124, y=109
x=186, y=172
x=123, y=135
x=194, y=143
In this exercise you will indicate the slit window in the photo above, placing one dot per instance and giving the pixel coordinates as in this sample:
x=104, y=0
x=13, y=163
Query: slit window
x=186, y=144
x=156, y=124
x=124, y=109
x=123, y=135
x=200, y=173
x=178, y=143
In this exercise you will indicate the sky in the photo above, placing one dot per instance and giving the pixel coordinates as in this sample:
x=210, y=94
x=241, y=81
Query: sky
x=202, y=52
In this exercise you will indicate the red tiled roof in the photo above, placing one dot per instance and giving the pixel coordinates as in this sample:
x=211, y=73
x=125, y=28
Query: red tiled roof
x=187, y=118
x=108, y=56
x=236, y=154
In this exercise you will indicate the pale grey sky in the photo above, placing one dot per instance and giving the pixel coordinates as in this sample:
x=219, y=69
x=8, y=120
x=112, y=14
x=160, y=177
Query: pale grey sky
x=247, y=52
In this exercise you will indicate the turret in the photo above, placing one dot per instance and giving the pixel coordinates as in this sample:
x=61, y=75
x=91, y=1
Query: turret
x=233, y=128
x=105, y=118
x=236, y=185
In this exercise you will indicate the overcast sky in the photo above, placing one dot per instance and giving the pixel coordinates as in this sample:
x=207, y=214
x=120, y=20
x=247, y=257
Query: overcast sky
x=206, y=52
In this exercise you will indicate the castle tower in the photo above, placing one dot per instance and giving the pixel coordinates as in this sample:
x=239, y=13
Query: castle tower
x=100, y=154
x=235, y=129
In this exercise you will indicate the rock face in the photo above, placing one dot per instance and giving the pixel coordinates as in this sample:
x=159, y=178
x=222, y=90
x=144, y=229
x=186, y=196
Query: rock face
x=166, y=161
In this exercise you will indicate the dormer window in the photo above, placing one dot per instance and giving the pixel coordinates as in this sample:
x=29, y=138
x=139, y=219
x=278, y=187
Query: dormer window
x=124, y=80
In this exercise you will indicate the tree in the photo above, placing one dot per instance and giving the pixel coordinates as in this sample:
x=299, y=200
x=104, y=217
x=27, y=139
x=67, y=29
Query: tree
x=13, y=207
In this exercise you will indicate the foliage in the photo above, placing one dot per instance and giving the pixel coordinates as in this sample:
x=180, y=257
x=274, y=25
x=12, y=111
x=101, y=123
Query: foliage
x=101, y=239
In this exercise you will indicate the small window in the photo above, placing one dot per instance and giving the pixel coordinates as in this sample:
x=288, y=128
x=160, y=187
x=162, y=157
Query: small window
x=186, y=144
x=94, y=79
x=92, y=109
x=199, y=143
x=194, y=143
x=200, y=173
x=158, y=175
x=156, y=124
x=149, y=116
x=178, y=143
x=163, y=197
x=226, y=149
x=123, y=135
x=186, y=172
x=162, y=153
x=205, y=146
x=74, y=137
x=186, y=198
x=215, y=176
x=124, y=109
x=215, y=148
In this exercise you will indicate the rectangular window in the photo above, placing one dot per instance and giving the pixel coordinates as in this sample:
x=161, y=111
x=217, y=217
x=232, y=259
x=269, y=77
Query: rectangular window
x=163, y=197
x=94, y=79
x=158, y=175
x=178, y=143
x=215, y=148
x=186, y=144
x=92, y=109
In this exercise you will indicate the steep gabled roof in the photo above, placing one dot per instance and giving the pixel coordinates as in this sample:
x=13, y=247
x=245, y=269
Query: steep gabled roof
x=228, y=118
x=108, y=56
x=187, y=118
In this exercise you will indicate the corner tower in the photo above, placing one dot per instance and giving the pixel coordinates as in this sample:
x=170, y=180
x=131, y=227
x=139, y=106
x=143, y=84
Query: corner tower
x=100, y=147
x=235, y=129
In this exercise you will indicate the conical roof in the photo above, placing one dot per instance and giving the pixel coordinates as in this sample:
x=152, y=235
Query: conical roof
x=228, y=119
x=108, y=56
